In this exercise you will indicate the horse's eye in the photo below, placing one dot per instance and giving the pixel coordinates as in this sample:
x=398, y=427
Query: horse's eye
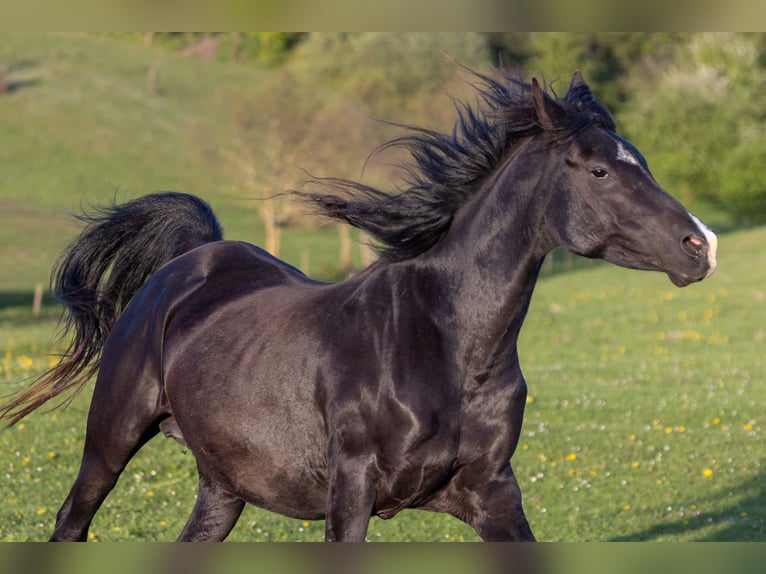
x=599, y=173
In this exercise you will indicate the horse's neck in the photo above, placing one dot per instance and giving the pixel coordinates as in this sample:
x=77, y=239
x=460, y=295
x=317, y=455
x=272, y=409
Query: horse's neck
x=493, y=256
x=492, y=304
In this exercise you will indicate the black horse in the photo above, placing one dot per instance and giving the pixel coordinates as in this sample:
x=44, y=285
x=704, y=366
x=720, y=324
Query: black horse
x=397, y=388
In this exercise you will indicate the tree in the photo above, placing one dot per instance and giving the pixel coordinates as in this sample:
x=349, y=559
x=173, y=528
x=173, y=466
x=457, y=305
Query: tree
x=604, y=58
x=387, y=71
x=698, y=116
x=269, y=125
x=391, y=76
x=743, y=184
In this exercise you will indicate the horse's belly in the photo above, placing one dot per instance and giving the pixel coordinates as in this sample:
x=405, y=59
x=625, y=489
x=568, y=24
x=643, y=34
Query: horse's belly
x=269, y=453
x=251, y=422
x=277, y=479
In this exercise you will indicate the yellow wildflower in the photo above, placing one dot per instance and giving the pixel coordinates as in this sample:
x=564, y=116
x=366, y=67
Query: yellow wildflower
x=25, y=362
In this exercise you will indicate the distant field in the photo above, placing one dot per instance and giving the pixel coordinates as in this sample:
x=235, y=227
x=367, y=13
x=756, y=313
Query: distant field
x=645, y=421
x=81, y=125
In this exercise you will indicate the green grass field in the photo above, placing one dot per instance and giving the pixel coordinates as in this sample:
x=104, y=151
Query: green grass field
x=645, y=416
x=644, y=422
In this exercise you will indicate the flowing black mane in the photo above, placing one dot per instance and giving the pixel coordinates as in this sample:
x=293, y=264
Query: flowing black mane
x=449, y=168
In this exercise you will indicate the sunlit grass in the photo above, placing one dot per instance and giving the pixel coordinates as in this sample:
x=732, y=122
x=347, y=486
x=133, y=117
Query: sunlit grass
x=659, y=394
x=644, y=422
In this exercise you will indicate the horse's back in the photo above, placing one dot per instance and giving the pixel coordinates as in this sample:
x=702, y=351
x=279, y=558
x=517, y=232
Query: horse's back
x=234, y=264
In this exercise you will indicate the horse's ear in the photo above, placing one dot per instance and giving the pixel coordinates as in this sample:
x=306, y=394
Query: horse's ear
x=579, y=92
x=546, y=109
x=577, y=81
x=582, y=98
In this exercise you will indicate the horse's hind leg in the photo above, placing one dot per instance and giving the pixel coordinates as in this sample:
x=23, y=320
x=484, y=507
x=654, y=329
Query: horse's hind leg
x=119, y=424
x=101, y=465
x=215, y=513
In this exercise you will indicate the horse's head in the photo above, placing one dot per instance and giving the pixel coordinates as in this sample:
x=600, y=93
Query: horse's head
x=605, y=202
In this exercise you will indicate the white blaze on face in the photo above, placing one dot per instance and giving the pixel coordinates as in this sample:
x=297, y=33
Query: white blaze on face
x=624, y=155
x=712, y=242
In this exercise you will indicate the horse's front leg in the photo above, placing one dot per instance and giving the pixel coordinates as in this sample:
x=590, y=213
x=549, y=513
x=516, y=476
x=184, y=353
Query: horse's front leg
x=497, y=514
x=486, y=494
x=351, y=500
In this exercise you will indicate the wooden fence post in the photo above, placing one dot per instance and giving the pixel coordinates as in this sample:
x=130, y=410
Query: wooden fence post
x=346, y=259
x=37, y=302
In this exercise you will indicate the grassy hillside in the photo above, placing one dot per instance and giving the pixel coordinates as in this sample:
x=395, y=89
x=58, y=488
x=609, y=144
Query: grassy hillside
x=87, y=117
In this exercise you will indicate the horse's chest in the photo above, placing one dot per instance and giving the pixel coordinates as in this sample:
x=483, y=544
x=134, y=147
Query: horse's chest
x=414, y=453
x=412, y=477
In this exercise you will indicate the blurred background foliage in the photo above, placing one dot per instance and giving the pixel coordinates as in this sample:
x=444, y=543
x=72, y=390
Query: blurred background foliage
x=692, y=101
x=250, y=114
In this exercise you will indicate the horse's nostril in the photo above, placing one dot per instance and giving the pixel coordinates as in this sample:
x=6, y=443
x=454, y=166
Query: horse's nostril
x=693, y=244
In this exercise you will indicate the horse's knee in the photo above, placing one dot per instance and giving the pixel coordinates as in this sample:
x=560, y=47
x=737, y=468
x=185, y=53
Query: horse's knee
x=493, y=508
x=215, y=513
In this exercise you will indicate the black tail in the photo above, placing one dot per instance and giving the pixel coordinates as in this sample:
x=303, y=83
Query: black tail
x=98, y=274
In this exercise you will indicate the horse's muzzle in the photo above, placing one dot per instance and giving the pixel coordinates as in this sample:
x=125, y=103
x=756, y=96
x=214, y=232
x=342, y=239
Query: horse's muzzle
x=702, y=245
